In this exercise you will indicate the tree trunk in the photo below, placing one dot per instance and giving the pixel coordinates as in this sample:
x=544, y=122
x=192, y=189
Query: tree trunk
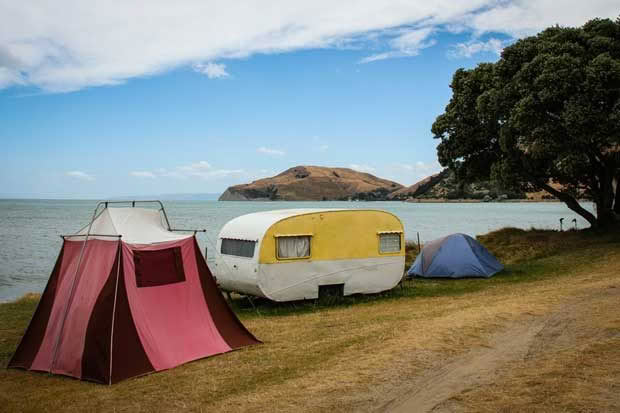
x=605, y=215
x=572, y=204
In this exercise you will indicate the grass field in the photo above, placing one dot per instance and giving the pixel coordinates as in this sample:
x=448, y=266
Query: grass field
x=367, y=353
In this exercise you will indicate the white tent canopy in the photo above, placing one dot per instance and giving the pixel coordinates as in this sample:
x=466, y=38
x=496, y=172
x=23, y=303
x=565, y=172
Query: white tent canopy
x=134, y=225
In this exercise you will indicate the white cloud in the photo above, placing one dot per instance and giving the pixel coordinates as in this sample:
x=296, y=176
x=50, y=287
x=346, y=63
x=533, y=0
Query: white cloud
x=473, y=47
x=211, y=70
x=323, y=148
x=67, y=45
x=362, y=168
x=270, y=151
x=142, y=174
x=196, y=167
x=406, y=167
x=217, y=173
x=418, y=170
x=525, y=17
x=428, y=166
x=200, y=169
x=81, y=175
x=409, y=43
x=10, y=77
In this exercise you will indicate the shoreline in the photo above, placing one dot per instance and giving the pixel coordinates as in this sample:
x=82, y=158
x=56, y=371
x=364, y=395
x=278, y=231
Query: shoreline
x=476, y=201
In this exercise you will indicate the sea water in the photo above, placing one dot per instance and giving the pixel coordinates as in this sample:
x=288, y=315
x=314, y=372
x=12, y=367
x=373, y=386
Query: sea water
x=30, y=229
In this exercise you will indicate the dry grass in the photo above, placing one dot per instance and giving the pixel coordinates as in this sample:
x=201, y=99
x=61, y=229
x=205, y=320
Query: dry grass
x=572, y=365
x=513, y=245
x=352, y=356
x=411, y=253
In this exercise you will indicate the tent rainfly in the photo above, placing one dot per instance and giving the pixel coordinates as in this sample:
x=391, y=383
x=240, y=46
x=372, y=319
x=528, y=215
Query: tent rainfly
x=128, y=296
x=455, y=256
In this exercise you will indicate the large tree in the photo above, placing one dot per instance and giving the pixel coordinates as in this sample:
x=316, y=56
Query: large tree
x=546, y=116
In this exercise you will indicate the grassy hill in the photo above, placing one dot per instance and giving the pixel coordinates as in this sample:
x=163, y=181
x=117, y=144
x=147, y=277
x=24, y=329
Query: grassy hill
x=314, y=183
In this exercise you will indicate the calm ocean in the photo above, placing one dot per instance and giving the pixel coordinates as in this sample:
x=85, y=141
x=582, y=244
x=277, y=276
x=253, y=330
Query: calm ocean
x=30, y=229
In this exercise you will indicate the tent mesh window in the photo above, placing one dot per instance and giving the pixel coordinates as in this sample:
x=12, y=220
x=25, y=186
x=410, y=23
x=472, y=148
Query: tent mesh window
x=294, y=247
x=158, y=267
x=238, y=247
x=389, y=243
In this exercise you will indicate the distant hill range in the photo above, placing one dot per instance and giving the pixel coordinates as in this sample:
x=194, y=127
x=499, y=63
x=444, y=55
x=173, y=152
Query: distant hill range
x=318, y=183
x=444, y=186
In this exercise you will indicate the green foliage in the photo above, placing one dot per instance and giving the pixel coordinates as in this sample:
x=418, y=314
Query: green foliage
x=449, y=187
x=548, y=110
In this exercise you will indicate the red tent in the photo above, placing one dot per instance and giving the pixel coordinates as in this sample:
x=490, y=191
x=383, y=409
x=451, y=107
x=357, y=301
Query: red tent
x=128, y=296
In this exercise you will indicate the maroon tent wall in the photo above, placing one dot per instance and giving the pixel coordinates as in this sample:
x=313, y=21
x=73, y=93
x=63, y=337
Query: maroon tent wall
x=126, y=311
x=31, y=341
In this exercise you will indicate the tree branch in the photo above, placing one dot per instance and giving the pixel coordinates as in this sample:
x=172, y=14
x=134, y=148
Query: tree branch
x=571, y=202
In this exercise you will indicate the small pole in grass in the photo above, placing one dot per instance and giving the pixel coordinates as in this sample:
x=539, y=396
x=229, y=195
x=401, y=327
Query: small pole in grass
x=418, y=242
x=252, y=302
x=561, y=219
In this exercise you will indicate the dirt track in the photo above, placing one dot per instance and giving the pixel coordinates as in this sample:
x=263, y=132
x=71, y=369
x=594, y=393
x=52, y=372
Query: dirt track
x=533, y=357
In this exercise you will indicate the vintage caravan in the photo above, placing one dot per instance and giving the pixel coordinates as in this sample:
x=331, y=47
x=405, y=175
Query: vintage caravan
x=297, y=254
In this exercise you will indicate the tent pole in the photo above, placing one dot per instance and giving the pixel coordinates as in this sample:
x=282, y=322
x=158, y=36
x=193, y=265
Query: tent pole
x=163, y=210
x=72, y=291
x=118, y=271
x=418, y=242
x=90, y=235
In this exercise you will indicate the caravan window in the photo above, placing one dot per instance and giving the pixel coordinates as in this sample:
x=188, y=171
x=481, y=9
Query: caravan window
x=389, y=242
x=297, y=246
x=238, y=247
x=158, y=267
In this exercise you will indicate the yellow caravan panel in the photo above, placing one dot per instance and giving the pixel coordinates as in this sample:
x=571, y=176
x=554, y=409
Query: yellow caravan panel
x=361, y=251
x=336, y=235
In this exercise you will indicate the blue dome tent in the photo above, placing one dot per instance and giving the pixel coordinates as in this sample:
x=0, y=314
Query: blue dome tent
x=455, y=256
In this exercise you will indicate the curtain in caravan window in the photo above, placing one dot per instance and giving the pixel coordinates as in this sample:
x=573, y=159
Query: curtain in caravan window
x=389, y=243
x=293, y=247
x=238, y=247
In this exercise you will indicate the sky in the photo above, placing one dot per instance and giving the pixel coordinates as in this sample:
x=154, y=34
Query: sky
x=117, y=98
